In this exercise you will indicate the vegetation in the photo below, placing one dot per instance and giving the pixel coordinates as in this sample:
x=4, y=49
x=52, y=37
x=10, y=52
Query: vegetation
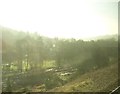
x=102, y=80
x=30, y=60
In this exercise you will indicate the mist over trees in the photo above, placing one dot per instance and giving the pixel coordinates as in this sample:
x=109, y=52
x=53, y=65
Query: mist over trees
x=24, y=52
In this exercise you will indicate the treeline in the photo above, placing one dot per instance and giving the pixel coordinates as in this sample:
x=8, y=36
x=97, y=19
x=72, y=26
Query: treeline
x=28, y=51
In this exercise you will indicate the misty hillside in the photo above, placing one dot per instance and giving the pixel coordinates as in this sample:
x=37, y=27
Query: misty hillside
x=35, y=63
x=103, y=37
x=51, y=46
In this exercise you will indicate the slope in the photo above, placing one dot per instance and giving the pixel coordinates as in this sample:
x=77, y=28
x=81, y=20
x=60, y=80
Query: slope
x=103, y=80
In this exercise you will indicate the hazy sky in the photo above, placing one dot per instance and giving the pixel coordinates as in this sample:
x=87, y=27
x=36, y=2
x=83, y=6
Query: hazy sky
x=61, y=18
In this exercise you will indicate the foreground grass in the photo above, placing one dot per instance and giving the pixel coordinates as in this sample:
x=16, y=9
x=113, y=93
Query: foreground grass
x=102, y=80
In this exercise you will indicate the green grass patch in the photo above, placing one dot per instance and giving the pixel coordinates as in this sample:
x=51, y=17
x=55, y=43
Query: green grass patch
x=49, y=64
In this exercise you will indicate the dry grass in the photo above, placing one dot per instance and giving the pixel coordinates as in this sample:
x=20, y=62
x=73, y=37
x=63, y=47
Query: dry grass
x=104, y=80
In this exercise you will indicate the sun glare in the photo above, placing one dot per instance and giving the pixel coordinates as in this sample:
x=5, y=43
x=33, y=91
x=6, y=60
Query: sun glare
x=64, y=18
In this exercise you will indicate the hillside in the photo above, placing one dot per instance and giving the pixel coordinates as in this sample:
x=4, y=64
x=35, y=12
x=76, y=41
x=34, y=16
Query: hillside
x=104, y=37
x=104, y=80
x=13, y=32
x=37, y=63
